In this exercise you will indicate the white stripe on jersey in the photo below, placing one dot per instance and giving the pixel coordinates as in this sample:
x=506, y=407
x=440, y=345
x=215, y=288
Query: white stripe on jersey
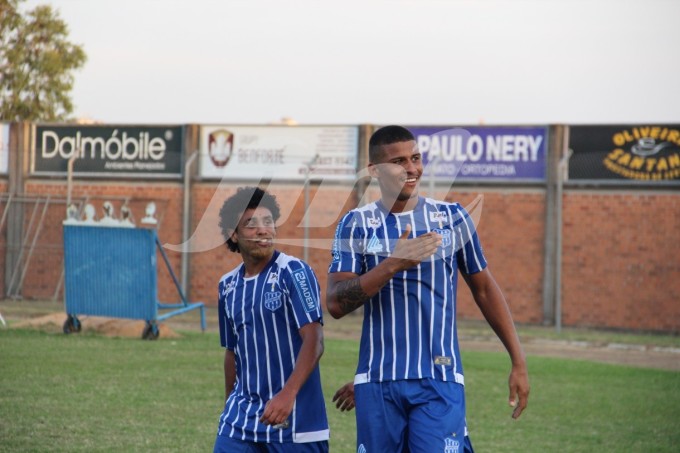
x=466, y=222
x=246, y=363
x=382, y=335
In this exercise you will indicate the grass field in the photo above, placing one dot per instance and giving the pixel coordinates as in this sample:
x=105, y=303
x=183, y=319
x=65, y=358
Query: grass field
x=92, y=393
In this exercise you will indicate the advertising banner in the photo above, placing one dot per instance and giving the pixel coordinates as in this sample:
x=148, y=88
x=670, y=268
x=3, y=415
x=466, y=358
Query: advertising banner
x=279, y=152
x=4, y=148
x=643, y=153
x=480, y=153
x=109, y=151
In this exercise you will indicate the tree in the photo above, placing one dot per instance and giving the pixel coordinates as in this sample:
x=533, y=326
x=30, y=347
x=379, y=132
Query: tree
x=36, y=64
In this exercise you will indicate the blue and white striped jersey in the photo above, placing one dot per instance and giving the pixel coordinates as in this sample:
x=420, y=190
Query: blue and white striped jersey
x=409, y=328
x=259, y=320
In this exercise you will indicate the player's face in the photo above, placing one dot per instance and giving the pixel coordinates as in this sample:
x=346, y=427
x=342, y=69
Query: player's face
x=398, y=169
x=255, y=233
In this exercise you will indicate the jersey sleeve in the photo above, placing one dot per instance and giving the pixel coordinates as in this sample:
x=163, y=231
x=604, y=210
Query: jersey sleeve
x=469, y=253
x=304, y=295
x=347, y=250
x=227, y=336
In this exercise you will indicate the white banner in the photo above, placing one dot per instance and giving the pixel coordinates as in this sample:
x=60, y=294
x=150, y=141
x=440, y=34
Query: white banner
x=4, y=148
x=279, y=152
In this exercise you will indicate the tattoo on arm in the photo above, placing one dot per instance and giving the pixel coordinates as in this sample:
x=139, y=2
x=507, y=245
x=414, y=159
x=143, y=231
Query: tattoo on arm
x=350, y=295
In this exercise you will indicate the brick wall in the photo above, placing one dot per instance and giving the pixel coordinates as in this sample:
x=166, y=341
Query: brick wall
x=621, y=260
x=512, y=233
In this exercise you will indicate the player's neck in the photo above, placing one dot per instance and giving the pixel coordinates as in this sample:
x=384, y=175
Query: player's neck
x=397, y=205
x=254, y=265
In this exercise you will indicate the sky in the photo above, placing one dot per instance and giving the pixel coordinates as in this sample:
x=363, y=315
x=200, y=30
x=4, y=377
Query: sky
x=418, y=62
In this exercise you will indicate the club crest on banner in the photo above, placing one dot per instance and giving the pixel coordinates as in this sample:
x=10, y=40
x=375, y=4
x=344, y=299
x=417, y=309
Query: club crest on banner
x=220, y=147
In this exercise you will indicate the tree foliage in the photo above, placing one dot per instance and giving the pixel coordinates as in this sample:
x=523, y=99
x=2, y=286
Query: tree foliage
x=36, y=64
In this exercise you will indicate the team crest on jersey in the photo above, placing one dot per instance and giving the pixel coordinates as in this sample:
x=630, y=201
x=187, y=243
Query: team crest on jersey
x=361, y=449
x=451, y=445
x=439, y=217
x=445, y=234
x=374, y=222
x=374, y=244
x=272, y=300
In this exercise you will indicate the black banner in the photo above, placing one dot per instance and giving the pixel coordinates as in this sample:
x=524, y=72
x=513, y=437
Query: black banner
x=640, y=153
x=109, y=151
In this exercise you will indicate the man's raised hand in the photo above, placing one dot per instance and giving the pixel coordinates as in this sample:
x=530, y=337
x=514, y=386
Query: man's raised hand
x=410, y=252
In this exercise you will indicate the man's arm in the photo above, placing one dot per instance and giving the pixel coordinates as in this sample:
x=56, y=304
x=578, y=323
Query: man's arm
x=280, y=406
x=347, y=291
x=229, y=372
x=491, y=302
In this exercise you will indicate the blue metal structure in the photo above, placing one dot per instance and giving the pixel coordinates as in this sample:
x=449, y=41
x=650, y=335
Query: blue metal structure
x=111, y=271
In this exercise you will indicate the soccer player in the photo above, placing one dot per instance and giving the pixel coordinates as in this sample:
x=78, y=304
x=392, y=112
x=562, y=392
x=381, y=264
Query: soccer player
x=398, y=257
x=271, y=326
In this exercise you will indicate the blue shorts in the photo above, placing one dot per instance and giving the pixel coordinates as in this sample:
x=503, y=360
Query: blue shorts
x=415, y=416
x=225, y=444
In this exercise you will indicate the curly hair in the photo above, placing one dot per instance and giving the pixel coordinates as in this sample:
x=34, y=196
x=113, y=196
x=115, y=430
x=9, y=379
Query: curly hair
x=233, y=208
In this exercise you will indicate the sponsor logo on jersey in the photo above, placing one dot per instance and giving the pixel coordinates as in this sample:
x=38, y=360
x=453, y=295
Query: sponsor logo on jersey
x=442, y=360
x=374, y=244
x=304, y=290
x=374, y=222
x=228, y=288
x=439, y=216
x=335, y=249
x=272, y=300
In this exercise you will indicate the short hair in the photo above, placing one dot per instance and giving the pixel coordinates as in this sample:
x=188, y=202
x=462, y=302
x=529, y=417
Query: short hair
x=233, y=208
x=386, y=136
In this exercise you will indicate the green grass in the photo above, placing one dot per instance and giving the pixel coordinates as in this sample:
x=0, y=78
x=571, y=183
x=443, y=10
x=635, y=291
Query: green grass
x=91, y=393
x=575, y=406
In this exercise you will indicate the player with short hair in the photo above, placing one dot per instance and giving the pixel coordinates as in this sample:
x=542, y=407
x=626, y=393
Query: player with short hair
x=271, y=326
x=399, y=257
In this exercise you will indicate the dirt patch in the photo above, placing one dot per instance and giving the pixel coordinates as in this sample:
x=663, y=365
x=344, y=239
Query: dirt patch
x=619, y=354
x=110, y=327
